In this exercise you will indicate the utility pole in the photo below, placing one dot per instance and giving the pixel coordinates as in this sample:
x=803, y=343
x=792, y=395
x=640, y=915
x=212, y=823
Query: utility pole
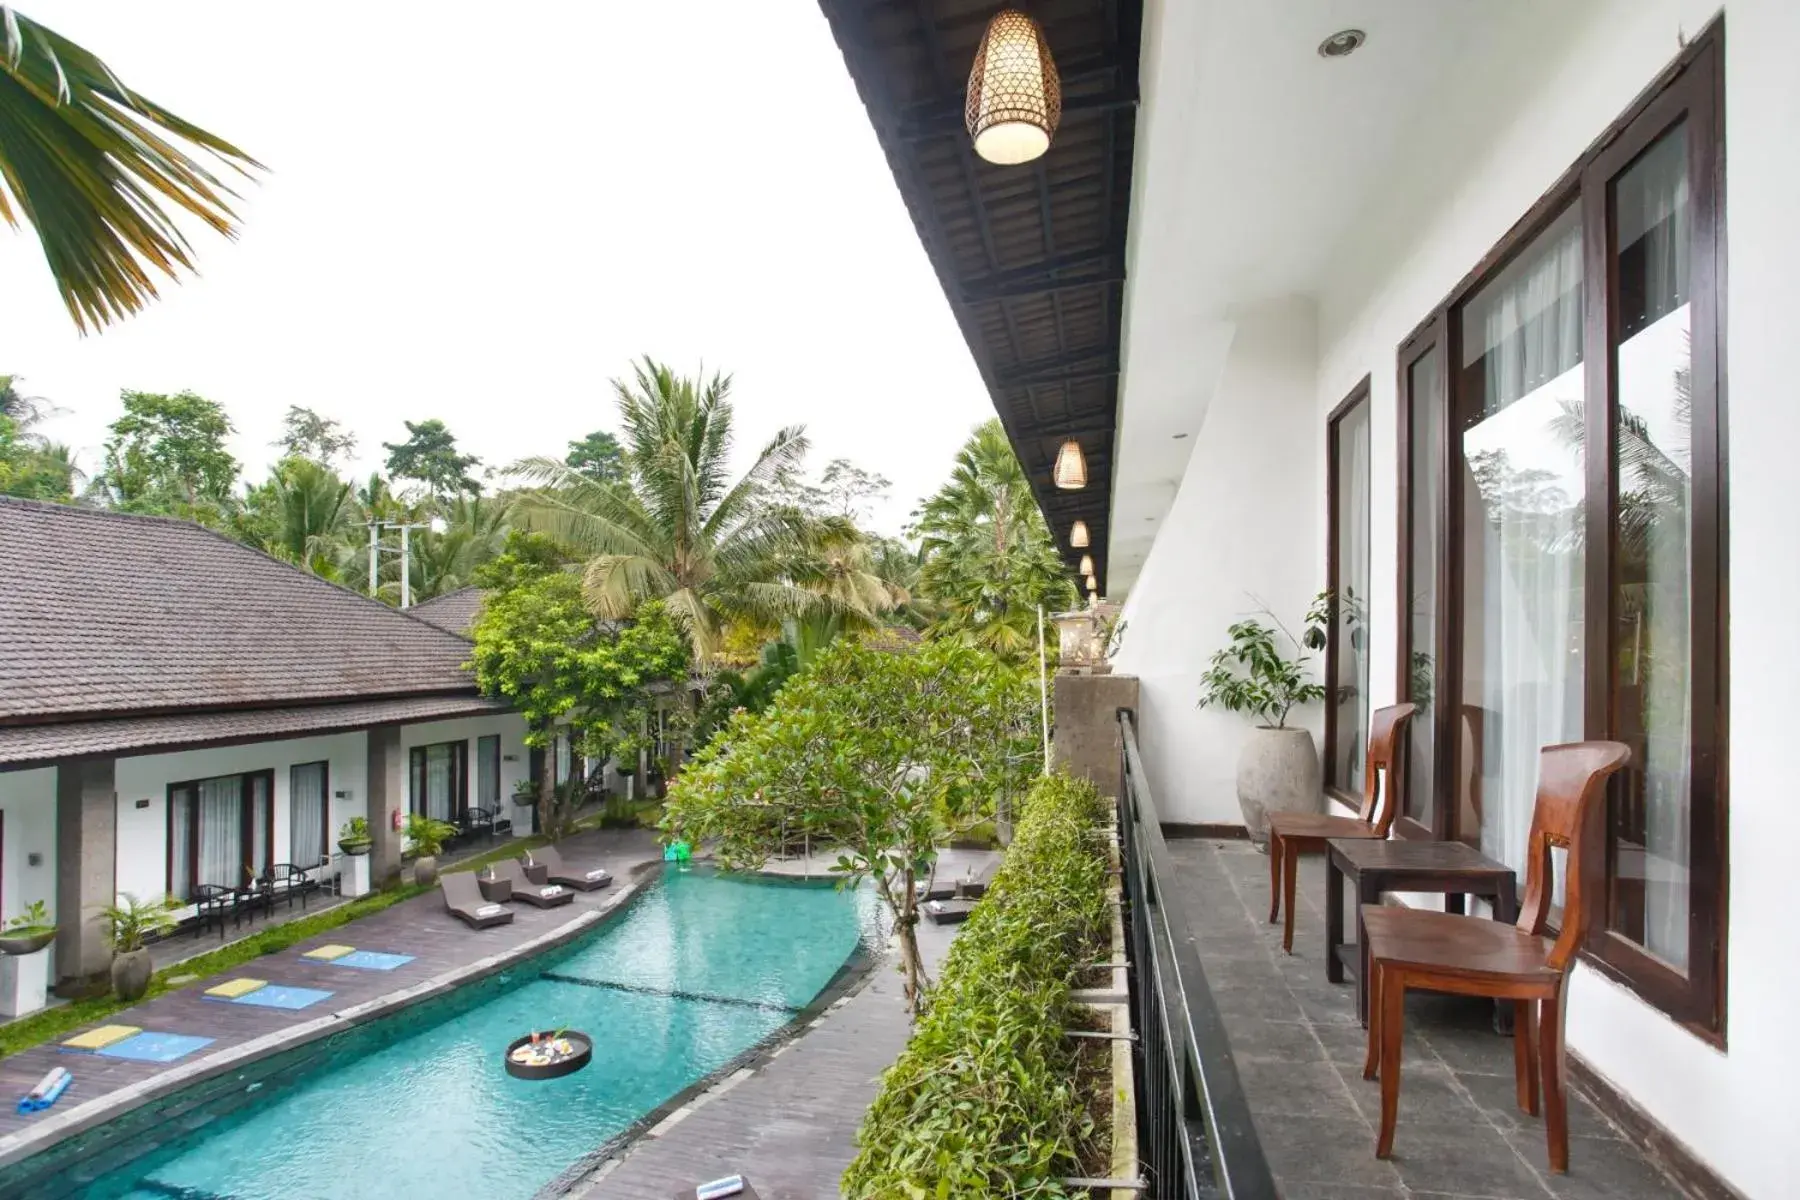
x=374, y=557
x=436, y=525
x=406, y=566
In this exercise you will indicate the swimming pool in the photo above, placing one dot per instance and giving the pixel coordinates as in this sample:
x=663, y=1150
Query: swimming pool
x=695, y=971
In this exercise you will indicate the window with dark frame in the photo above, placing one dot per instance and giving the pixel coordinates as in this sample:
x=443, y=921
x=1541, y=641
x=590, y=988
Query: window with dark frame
x=309, y=813
x=1549, y=594
x=220, y=831
x=1347, y=582
x=440, y=780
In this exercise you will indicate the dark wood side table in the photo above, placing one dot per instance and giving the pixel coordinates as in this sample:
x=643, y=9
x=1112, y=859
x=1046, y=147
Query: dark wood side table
x=494, y=891
x=1403, y=865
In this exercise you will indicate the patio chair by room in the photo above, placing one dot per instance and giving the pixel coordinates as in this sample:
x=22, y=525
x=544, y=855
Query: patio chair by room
x=212, y=904
x=462, y=896
x=291, y=882
x=539, y=895
x=1292, y=834
x=1472, y=956
x=547, y=866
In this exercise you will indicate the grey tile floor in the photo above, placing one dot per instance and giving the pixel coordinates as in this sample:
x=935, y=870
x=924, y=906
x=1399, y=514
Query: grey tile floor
x=1299, y=1049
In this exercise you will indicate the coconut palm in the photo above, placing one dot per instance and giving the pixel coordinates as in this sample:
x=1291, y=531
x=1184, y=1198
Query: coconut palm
x=475, y=529
x=23, y=411
x=679, y=529
x=986, y=558
x=90, y=164
x=309, y=516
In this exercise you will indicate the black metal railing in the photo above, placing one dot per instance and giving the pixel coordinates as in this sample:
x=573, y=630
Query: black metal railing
x=1195, y=1137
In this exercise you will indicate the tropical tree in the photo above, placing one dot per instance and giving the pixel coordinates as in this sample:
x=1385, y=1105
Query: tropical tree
x=428, y=455
x=598, y=456
x=987, y=561
x=306, y=434
x=23, y=411
x=475, y=529
x=304, y=513
x=167, y=455
x=681, y=530
x=91, y=164
x=31, y=467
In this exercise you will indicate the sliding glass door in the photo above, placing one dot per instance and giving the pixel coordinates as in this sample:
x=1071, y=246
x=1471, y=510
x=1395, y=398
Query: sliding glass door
x=440, y=780
x=220, y=831
x=308, y=813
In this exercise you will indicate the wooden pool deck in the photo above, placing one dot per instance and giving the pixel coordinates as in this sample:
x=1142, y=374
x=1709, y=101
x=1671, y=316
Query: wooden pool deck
x=444, y=952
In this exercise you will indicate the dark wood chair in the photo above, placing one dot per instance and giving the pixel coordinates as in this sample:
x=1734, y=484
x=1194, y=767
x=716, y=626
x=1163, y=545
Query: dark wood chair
x=1469, y=956
x=1293, y=834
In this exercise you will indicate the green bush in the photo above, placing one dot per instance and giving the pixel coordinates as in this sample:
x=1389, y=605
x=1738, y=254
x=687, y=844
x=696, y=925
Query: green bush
x=986, y=1098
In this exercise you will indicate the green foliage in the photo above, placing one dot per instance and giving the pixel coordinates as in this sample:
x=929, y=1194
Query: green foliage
x=428, y=834
x=598, y=456
x=428, y=456
x=306, y=434
x=987, y=558
x=1252, y=676
x=884, y=753
x=475, y=531
x=129, y=923
x=167, y=455
x=986, y=1100
x=35, y=919
x=356, y=829
x=303, y=514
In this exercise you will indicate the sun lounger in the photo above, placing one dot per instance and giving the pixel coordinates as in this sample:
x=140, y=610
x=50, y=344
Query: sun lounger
x=462, y=896
x=948, y=912
x=970, y=887
x=554, y=870
x=542, y=895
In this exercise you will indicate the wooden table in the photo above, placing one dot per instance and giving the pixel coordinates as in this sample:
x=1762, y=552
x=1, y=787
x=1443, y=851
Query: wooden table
x=1403, y=865
x=494, y=891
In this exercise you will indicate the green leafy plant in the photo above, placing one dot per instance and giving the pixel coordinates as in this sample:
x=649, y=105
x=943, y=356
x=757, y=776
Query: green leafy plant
x=128, y=924
x=1254, y=677
x=35, y=919
x=987, y=1098
x=428, y=834
x=355, y=831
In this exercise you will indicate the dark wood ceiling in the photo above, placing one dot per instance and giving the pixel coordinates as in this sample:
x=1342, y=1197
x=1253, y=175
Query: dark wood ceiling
x=1032, y=257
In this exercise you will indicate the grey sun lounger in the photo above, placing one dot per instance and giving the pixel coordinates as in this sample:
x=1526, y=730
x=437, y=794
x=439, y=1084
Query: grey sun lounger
x=462, y=896
x=973, y=888
x=557, y=871
x=947, y=912
x=543, y=895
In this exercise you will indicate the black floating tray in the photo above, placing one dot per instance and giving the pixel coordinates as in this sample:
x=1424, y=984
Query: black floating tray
x=584, y=1054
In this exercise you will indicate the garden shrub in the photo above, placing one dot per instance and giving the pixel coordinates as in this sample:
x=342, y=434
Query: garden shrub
x=986, y=1098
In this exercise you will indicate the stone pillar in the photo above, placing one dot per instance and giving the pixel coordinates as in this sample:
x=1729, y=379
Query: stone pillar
x=87, y=819
x=387, y=796
x=1086, y=742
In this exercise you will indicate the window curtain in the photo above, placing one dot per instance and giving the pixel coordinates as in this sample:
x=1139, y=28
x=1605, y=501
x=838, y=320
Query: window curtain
x=306, y=814
x=262, y=818
x=181, y=825
x=437, y=781
x=221, y=816
x=487, y=755
x=564, y=758
x=1352, y=667
x=1523, y=553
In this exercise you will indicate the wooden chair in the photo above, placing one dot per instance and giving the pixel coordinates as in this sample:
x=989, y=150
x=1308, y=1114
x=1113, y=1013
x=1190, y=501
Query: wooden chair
x=1294, y=834
x=1470, y=956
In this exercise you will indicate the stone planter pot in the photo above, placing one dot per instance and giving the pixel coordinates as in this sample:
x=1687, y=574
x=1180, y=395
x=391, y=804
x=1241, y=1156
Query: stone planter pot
x=1278, y=771
x=354, y=846
x=425, y=870
x=131, y=974
x=26, y=942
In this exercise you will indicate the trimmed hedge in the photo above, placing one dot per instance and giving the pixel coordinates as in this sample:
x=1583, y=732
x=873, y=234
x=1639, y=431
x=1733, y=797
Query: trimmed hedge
x=984, y=1101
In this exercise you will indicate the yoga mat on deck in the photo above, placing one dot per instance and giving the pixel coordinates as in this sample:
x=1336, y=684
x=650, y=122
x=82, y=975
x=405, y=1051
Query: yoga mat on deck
x=291, y=998
x=372, y=960
x=155, y=1047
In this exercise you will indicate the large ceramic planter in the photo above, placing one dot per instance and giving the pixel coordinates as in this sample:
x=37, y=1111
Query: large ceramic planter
x=1278, y=771
x=131, y=974
x=425, y=870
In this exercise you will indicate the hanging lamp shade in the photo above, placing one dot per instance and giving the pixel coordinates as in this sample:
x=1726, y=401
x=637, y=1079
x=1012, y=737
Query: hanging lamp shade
x=1070, y=473
x=1078, y=536
x=1015, y=94
x=1087, y=564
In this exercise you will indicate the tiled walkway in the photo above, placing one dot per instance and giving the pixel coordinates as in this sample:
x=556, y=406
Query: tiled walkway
x=422, y=928
x=1299, y=1049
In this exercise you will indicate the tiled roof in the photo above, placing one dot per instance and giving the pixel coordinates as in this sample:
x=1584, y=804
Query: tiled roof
x=22, y=745
x=455, y=611
x=104, y=613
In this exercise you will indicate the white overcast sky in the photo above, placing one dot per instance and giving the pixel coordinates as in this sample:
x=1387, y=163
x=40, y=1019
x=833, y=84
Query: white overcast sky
x=483, y=212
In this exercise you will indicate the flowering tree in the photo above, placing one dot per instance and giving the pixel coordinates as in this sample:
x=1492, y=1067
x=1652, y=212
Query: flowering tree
x=882, y=753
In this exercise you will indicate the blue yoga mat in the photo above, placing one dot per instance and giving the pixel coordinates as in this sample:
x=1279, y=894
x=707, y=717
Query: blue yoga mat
x=371, y=960
x=276, y=996
x=155, y=1047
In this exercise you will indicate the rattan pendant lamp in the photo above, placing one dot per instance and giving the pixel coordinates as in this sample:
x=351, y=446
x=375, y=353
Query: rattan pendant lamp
x=1015, y=95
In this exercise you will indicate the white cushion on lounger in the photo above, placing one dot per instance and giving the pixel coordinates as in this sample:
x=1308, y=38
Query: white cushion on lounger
x=596, y=874
x=554, y=889
x=489, y=910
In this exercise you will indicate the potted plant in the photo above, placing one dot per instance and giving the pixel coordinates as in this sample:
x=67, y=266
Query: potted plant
x=1278, y=768
x=127, y=925
x=28, y=932
x=525, y=793
x=353, y=837
x=427, y=835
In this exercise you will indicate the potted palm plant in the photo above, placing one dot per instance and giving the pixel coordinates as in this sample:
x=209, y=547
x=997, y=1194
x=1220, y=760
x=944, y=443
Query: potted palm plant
x=353, y=836
x=427, y=836
x=28, y=932
x=1278, y=768
x=128, y=923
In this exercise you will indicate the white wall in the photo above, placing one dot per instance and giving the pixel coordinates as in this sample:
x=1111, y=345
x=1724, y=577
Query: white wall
x=28, y=809
x=1237, y=537
x=1731, y=1107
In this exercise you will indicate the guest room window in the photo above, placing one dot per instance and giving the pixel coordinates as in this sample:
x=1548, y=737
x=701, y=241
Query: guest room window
x=440, y=780
x=220, y=831
x=309, y=812
x=1347, y=579
x=487, y=772
x=1575, y=594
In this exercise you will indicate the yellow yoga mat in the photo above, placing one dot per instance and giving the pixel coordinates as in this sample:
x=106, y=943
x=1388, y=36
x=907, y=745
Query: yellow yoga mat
x=233, y=988
x=328, y=953
x=101, y=1038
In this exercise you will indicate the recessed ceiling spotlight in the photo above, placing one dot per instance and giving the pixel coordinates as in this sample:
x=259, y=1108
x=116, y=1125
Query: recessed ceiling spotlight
x=1341, y=43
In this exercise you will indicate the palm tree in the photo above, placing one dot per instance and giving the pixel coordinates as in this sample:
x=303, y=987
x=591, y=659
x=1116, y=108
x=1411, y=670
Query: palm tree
x=313, y=514
x=986, y=558
x=88, y=162
x=678, y=529
x=475, y=533
x=23, y=411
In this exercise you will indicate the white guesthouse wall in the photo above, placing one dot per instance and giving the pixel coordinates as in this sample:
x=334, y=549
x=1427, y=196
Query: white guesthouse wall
x=27, y=827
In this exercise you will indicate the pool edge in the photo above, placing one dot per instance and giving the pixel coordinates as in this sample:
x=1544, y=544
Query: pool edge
x=46, y=1134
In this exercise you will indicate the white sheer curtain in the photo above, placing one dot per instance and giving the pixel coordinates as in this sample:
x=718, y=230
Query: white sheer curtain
x=1352, y=670
x=437, y=781
x=181, y=818
x=1523, y=552
x=306, y=814
x=221, y=813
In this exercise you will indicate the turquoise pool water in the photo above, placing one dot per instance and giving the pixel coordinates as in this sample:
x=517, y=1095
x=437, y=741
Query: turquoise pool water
x=697, y=970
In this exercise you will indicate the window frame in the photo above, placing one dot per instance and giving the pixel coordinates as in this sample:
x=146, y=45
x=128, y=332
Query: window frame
x=418, y=773
x=324, y=765
x=1689, y=89
x=246, y=821
x=1334, y=466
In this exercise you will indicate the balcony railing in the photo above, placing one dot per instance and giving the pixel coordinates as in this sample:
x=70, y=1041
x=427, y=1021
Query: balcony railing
x=1194, y=1130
